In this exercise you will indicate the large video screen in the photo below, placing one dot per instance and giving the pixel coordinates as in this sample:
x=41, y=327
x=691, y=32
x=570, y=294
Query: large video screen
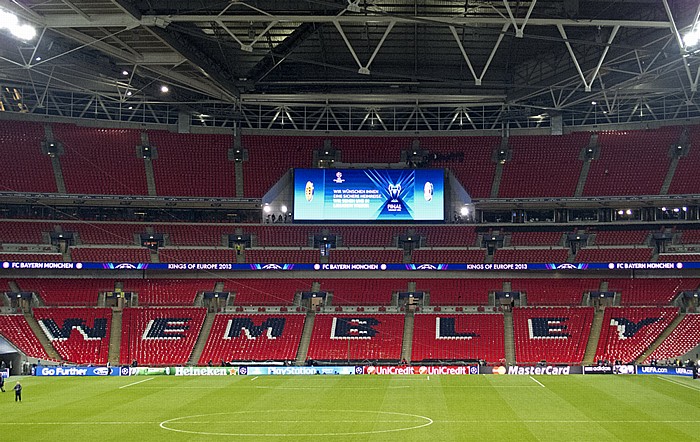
x=369, y=194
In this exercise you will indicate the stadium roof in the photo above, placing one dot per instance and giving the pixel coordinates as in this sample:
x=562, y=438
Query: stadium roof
x=355, y=64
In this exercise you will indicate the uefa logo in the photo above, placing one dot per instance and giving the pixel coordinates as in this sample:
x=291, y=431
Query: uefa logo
x=243, y=371
x=338, y=178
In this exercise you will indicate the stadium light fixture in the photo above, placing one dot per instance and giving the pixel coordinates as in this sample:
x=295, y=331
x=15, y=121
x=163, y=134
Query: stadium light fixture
x=464, y=211
x=692, y=38
x=125, y=73
x=283, y=208
x=267, y=208
x=164, y=89
x=11, y=22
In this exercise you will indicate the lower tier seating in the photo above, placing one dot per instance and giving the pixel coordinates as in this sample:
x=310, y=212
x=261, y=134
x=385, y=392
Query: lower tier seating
x=552, y=291
x=266, y=291
x=458, y=336
x=685, y=337
x=628, y=331
x=15, y=329
x=65, y=292
x=356, y=337
x=363, y=291
x=79, y=335
x=459, y=291
x=160, y=335
x=556, y=335
x=650, y=292
x=167, y=291
x=256, y=337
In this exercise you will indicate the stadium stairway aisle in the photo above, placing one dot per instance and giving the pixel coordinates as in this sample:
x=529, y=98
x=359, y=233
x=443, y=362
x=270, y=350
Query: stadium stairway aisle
x=509, y=337
x=202, y=339
x=306, y=337
x=41, y=336
x=662, y=337
x=594, y=337
x=407, y=345
x=115, y=337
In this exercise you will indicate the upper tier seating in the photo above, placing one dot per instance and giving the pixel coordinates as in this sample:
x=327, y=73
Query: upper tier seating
x=447, y=256
x=685, y=179
x=160, y=335
x=79, y=335
x=543, y=166
x=271, y=156
x=28, y=168
x=167, y=291
x=193, y=164
x=356, y=337
x=197, y=255
x=614, y=255
x=92, y=254
x=628, y=331
x=101, y=161
x=266, y=291
x=465, y=336
x=284, y=256
x=690, y=236
x=684, y=338
x=621, y=237
x=66, y=292
x=448, y=235
x=651, y=292
x=555, y=291
x=363, y=291
x=105, y=232
x=367, y=236
x=31, y=257
x=256, y=337
x=16, y=329
x=196, y=234
x=536, y=238
x=282, y=235
x=556, y=335
x=476, y=170
x=366, y=256
x=620, y=171
x=460, y=291
x=679, y=257
x=531, y=255
x=25, y=232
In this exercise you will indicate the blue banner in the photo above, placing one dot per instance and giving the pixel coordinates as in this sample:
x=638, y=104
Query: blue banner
x=262, y=371
x=58, y=370
x=495, y=267
x=671, y=371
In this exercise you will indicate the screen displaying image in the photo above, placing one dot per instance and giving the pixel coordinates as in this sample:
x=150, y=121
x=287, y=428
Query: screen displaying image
x=369, y=194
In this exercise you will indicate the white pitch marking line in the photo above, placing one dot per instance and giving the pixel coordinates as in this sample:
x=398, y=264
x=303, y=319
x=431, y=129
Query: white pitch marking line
x=134, y=383
x=678, y=383
x=538, y=382
x=254, y=378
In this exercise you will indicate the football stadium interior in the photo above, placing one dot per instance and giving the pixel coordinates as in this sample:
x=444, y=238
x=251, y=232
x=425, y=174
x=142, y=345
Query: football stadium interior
x=398, y=187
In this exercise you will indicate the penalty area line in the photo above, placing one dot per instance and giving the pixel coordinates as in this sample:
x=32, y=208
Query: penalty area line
x=254, y=378
x=134, y=383
x=538, y=382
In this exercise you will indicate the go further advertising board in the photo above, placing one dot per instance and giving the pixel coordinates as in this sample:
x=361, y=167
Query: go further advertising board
x=369, y=194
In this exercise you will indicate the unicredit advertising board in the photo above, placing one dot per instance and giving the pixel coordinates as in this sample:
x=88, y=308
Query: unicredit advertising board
x=423, y=369
x=369, y=194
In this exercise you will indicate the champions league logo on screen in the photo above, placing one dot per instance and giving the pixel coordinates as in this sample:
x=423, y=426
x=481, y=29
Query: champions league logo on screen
x=338, y=178
x=394, y=191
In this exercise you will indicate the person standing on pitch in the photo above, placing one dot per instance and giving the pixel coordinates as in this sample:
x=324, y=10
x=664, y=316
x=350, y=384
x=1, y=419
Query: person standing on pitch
x=18, y=392
x=2, y=384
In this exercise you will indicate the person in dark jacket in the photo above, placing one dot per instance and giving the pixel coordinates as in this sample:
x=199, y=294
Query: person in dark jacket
x=2, y=384
x=18, y=392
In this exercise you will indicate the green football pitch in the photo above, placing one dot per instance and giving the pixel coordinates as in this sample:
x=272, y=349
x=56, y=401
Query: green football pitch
x=355, y=408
